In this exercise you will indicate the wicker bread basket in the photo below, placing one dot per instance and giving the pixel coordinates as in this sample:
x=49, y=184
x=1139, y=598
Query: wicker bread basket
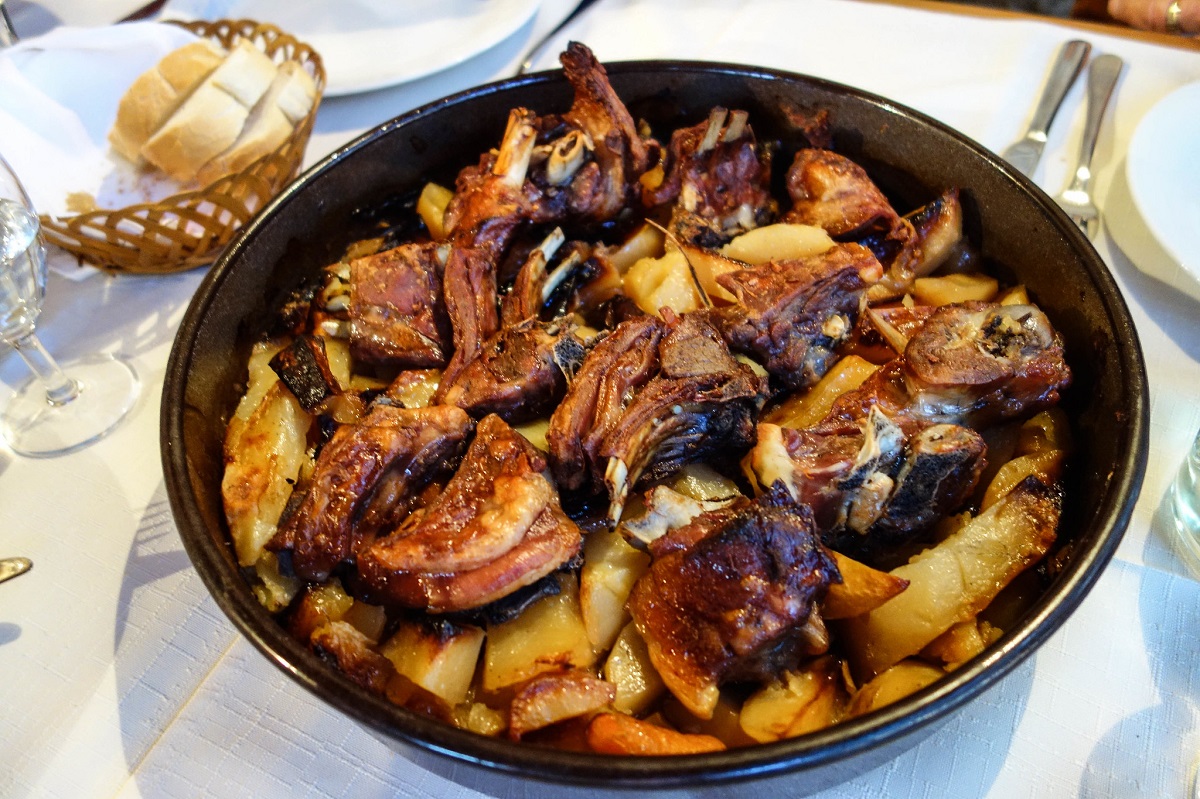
x=189, y=229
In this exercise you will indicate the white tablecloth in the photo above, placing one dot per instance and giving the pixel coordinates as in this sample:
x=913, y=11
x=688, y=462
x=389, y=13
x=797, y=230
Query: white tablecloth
x=119, y=676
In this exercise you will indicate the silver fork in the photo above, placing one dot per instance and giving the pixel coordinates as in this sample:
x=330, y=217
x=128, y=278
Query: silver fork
x=1076, y=198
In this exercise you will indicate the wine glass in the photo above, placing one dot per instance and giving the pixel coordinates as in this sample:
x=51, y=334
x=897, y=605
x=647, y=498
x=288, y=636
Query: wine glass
x=51, y=413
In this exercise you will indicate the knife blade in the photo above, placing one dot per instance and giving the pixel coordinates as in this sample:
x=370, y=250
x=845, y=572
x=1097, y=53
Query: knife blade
x=11, y=567
x=1025, y=153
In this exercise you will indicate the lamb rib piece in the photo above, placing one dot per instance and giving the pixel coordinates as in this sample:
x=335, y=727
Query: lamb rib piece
x=832, y=192
x=719, y=184
x=873, y=489
x=470, y=292
x=520, y=372
x=362, y=476
x=794, y=315
x=611, y=372
x=702, y=401
x=725, y=588
x=974, y=364
x=497, y=527
x=397, y=315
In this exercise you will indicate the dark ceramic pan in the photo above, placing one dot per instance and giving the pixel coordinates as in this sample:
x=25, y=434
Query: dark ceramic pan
x=911, y=156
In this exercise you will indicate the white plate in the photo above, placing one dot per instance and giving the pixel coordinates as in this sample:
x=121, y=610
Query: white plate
x=1163, y=169
x=369, y=44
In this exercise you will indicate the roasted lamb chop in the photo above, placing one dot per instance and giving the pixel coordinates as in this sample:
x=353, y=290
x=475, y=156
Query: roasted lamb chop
x=366, y=475
x=794, y=315
x=397, y=315
x=725, y=588
x=717, y=179
x=497, y=527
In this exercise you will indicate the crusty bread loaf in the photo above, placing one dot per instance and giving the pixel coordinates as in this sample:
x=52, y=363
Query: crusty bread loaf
x=156, y=93
x=212, y=117
x=287, y=100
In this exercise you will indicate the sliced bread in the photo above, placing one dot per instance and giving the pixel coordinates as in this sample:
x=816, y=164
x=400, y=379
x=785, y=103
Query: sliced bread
x=158, y=92
x=212, y=117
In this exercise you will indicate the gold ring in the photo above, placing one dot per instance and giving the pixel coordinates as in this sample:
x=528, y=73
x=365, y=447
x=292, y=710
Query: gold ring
x=1174, y=12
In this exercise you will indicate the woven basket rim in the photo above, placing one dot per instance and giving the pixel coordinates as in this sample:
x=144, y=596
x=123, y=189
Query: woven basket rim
x=67, y=230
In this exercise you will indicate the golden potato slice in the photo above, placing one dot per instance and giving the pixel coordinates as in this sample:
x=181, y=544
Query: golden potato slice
x=805, y=409
x=479, y=718
x=958, y=287
x=861, y=590
x=666, y=282
x=796, y=703
x=431, y=207
x=904, y=678
x=439, y=657
x=266, y=446
x=629, y=668
x=954, y=580
x=960, y=643
x=708, y=266
x=646, y=242
x=610, y=568
x=550, y=698
x=780, y=242
x=549, y=636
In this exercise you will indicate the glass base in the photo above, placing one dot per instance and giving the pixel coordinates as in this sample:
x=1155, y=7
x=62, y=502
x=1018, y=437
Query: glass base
x=1185, y=502
x=33, y=426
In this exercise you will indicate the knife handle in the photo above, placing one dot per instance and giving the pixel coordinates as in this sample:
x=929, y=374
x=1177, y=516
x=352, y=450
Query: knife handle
x=1102, y=78
x=1067, y=66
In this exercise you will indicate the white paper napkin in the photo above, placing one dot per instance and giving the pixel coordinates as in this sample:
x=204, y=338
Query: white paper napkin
x=58, y=99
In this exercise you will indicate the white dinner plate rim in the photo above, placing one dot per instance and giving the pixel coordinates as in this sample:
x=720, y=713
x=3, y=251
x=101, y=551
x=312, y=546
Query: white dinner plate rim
x=504, y=18
x=1162, y=152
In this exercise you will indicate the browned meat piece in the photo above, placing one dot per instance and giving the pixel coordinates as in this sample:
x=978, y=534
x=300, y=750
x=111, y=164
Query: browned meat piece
x=492, y=199
x=552, y=541
x=718, y=182
x=361, y=476
x=354, y=654
x=496, y=528
x=470, y=291
x=832, y=192
x=795, y=315
x=702, y=401
x=539, y=293
x=520, y=373
x=723, y=588
x=588, y=169
x=397, y=316
x=606, y=185
x=925, y=240
x=616, y=367
x=304, y=368
x=872, y=489
x=974, y=363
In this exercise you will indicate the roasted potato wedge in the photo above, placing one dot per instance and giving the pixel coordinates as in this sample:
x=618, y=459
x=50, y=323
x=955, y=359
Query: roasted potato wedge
x=618, y=734
x=550, y=698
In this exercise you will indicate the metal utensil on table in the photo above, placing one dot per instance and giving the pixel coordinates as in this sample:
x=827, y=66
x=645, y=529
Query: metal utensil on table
x=8, y=34
x=1076, y=198
x=533, y=52
x=12, y=567
x=1026, y=151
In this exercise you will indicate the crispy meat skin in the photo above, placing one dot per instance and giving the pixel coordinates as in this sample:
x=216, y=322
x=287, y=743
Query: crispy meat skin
x=354, y=654
x=410, y=446
x=974, y=363
x=794, y=315
x=397, y=316
x=832, y=192
x=620, y=364
x=496, y=528
x=720, y=589
x=520, y=372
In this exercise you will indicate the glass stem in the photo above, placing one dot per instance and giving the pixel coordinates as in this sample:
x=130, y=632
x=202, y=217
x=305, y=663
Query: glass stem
x=60, y=389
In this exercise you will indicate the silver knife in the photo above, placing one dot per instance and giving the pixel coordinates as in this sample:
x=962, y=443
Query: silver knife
x=1026, y=151
x=11, y=567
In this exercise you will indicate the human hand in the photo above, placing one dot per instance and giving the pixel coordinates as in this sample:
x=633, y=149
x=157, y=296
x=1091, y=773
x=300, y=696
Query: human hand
x=1178, y=16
